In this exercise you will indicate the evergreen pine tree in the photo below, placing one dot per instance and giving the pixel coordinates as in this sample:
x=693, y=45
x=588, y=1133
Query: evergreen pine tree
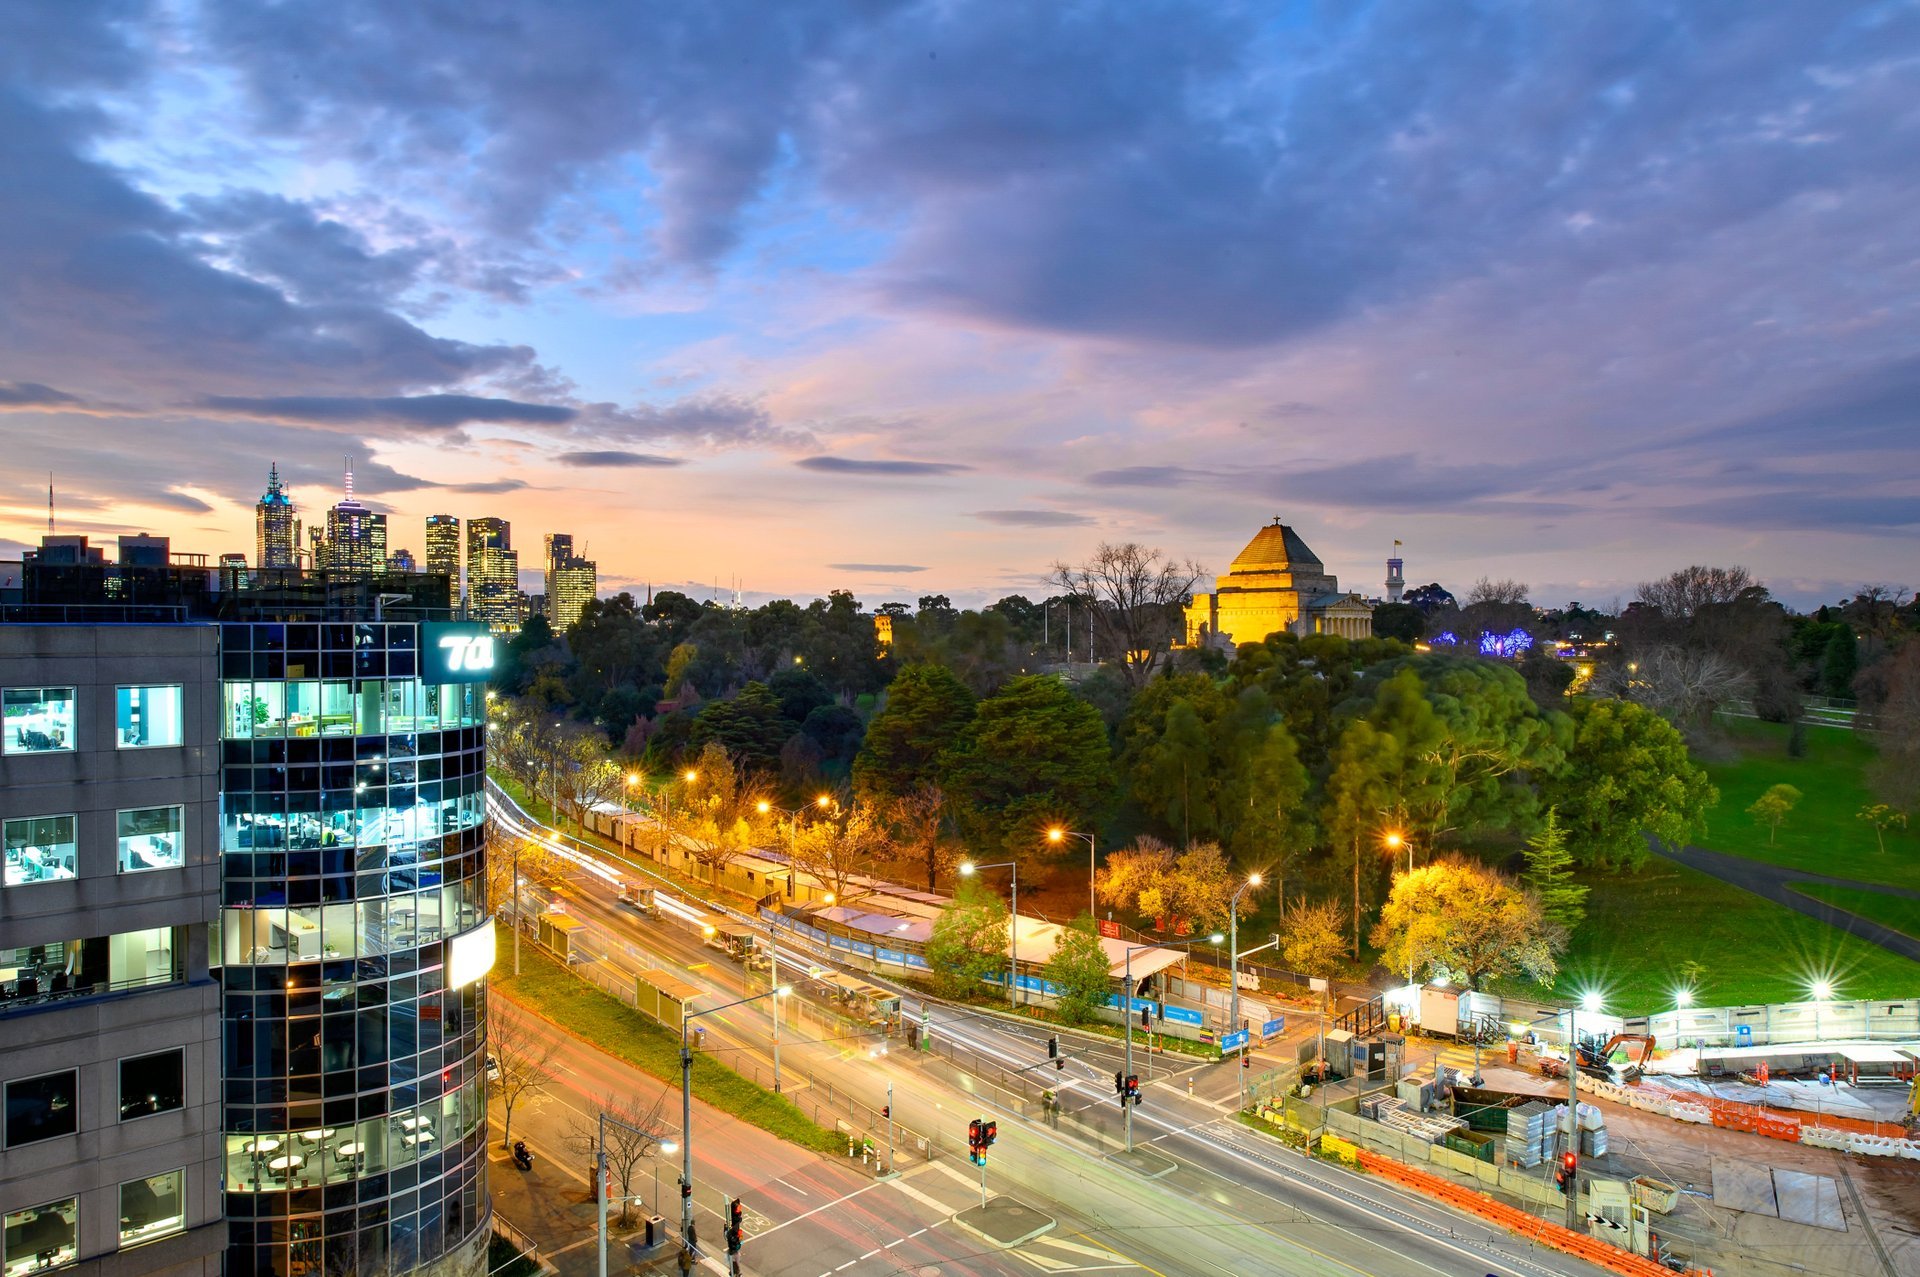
x=1549, y=874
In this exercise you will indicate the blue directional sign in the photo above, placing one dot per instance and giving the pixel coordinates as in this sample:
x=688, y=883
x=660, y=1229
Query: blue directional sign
x=1271, y=1027
x=1234, y=1041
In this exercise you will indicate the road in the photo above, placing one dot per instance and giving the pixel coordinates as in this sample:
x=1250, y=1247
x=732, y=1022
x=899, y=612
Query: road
x=1232, y=1202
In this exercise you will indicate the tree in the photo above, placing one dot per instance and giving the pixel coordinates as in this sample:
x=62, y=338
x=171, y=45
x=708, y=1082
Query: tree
x=1080, y=971
x=1549, y=875
x=527, y=1060
x=750, y=726
x=633, y=1132
x=1772, y=808
x=1311, y=939
x=1464, y=920
x=969, y=940
x=1402, y=621
x=1191, y=888
x=1627, y=777
x=1683, y=685
x=919, y=822
x=1685, y=592
x=716, y=815
x=1882, y=818
x=1839, y=663
x=839, y=850
x=909, y=743
x=1034, y=755
x=1136, y=599
x=584, y=776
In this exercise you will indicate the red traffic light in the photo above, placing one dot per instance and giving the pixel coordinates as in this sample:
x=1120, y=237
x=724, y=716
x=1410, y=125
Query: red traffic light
x=989, y=1131
x=736, y=1213
x=1569, y=1161
x=973, y=1135
x=886, y=1110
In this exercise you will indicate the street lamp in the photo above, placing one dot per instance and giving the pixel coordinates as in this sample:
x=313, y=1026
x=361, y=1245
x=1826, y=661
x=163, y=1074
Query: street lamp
x=1057, y=835
x=1126, y=1014
x=1233, y=968
x=686, y=1107
x=633, y=783
x=967, y=870
x=773, y=940
x=1395, y=841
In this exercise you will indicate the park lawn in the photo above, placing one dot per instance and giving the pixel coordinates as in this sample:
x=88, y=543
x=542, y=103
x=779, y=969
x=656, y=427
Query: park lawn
x=1824, y=833
x=538, y=808
x=574, y=1006
x=1642, y=931
x=1899, y=912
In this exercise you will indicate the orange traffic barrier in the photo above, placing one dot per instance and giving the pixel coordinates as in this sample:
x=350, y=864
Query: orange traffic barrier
x=1515, y=1220
x=1779, y=1124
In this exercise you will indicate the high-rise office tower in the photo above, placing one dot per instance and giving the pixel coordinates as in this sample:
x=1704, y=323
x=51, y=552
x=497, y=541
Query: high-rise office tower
x=401, y=560
x=443, y=549
x=242, y=1012
x=574, y=584
x=493, y=574
x=276, y=529
x=356, y=541
x=571, y=581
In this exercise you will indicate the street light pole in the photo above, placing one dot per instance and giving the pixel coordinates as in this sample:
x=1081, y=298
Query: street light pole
x=516, y=905
x=967, y=870
x=1126, y=1014
x=687, y=1237
x=1058, y=835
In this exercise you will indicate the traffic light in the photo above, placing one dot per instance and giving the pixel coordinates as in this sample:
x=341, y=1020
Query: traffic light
x=1146, y=1017
x=989, y=1131
x=1565, y=1178
x=973, y=1141
x=686, y=1189
x=1133, y=1088
x=886, y=1111
x=736, y=1215
x=1053, y=1052
x=1119, y=1084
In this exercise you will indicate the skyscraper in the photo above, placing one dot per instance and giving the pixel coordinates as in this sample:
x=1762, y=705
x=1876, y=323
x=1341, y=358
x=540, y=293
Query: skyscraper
x=276, y=529
x=356, y=540
x=401, y=560
x=573, y=585
x=443, y=549
x=493, y=574
x=571, y=581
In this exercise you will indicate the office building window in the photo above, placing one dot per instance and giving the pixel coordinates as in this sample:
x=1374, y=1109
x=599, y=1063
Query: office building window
x=151, y=1207
x=42, y=1108
x=152, y=838
x=152, y=1084
x=147, y=716
x=40, y=849
x=40, y=1239
x=38, y=720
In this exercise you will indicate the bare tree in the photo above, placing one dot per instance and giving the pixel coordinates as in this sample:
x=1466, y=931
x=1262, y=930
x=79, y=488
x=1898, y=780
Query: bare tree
x=1507, y=593
x=843, y=848
x=633, y=1132
x=536, y=861
x=1683, y=685
x=584, y=776
x=526, y=1060
x=1135, y=598
x=919, y=820
x=1687, y=591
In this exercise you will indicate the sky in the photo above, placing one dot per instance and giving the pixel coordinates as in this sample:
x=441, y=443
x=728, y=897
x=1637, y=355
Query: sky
x=909, y=298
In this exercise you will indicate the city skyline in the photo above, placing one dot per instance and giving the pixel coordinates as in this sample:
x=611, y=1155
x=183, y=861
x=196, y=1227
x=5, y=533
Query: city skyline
x=1571, y=298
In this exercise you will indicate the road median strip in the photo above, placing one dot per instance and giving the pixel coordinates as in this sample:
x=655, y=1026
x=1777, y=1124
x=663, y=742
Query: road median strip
x=550, y=993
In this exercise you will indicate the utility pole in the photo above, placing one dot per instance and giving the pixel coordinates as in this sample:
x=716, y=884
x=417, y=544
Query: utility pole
x=1573, y=1124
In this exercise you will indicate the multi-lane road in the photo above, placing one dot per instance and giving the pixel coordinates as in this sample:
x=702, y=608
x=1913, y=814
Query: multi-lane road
x=1209, y=1197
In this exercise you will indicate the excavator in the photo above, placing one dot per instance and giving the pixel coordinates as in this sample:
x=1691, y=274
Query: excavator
x=1615, y=1061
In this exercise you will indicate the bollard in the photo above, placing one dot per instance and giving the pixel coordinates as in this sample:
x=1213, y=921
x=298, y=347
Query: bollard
x=1189, y=1085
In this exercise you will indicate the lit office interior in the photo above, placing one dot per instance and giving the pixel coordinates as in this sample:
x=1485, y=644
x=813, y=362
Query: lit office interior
x=78, y=968
x=146, y=717
x=40, y=849
x=36, y=720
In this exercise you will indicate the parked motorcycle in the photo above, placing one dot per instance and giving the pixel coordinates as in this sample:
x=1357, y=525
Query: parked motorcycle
x=522, y=1155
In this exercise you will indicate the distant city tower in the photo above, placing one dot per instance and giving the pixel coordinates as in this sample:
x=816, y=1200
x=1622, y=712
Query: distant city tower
x=1396, y=577
x=277, y=532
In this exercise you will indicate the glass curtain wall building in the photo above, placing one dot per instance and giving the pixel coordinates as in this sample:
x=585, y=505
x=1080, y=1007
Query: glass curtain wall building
x=350, y=946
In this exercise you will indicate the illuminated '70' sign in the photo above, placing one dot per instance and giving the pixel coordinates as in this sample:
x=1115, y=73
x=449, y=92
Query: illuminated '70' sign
x=468, y=653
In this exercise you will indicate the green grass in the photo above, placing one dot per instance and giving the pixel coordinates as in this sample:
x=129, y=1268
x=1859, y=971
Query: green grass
x=1642, y=931
x=1898, y=912
x=1824, y=834
x=548, y=990
x=538, y=808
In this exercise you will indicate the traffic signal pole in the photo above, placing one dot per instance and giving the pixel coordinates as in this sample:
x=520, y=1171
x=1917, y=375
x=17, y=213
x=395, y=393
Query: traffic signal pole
x=1126, y=1013
x=1573, y=1124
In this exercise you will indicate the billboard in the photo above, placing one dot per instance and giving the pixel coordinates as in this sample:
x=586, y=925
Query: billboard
x=456, y=652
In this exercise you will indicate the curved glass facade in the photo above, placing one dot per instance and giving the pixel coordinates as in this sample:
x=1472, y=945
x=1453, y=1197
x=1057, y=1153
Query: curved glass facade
x=353, y=844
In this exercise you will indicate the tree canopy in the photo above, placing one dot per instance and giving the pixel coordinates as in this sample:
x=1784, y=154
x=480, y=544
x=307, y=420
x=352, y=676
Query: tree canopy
x=1458, y=918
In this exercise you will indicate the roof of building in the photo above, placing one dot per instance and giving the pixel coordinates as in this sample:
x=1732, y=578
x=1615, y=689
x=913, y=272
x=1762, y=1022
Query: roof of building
x=1276, y=548
x=1352, y=601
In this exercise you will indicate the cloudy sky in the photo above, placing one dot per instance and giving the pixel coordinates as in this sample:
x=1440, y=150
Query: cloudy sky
x=917, y=297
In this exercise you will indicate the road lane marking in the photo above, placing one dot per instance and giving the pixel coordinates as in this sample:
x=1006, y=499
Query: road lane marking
x=924, y=1199
x=803, y=1192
